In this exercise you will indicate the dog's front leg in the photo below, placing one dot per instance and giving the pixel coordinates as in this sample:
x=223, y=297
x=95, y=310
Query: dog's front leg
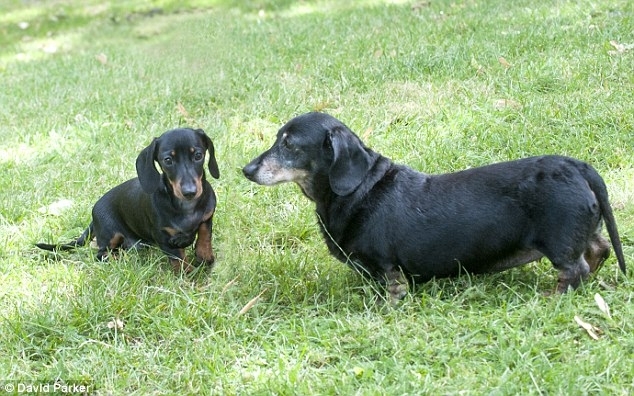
x=178, y=260
x=203, y=247
x=396, y=284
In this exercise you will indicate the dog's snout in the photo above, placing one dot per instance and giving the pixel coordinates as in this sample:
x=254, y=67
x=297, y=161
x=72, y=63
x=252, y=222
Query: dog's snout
x=250, y=169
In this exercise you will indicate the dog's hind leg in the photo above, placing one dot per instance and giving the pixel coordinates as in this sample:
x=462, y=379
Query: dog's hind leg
x=571, y=274
x=597, y=251
x=108, y=246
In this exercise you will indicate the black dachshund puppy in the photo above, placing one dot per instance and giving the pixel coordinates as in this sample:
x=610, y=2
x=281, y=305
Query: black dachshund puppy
x=169, y=209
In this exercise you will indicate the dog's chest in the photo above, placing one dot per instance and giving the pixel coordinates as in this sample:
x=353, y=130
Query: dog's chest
x=179, y=239
x=181, y=231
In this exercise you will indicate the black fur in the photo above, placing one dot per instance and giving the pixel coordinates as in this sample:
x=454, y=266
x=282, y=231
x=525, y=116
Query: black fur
x=168, y=209
x=391, y=220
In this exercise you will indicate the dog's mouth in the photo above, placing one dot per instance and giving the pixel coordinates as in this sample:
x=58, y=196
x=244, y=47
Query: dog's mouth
x=269, y=177
x=269, y=172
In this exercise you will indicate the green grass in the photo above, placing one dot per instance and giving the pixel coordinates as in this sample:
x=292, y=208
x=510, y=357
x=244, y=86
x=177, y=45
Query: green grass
x=86, y=85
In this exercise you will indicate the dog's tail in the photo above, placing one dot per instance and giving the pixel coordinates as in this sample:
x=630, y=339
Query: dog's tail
x=597, y=185
x=83, y=239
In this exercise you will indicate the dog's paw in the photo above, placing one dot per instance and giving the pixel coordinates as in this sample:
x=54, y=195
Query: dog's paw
x=397, y=292
x=205, y=259
x=397, y=286
x=181, y=266
x=181, y=241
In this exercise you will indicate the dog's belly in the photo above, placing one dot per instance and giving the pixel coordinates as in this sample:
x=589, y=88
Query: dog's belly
x=425, y=270
x=451, y=259
x=516, y=259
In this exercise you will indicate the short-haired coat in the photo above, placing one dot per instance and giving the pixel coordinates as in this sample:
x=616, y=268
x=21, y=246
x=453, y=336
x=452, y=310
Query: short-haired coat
x=390, y=220
x=170, y=209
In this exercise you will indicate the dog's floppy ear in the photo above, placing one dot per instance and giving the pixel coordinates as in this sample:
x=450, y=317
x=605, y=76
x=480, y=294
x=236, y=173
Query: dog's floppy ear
x=149, y=177
x=351, y=161
x=212, y=165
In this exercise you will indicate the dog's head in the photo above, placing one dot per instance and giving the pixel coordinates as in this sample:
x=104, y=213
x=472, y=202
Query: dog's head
x=316, y=151
x=180, y=154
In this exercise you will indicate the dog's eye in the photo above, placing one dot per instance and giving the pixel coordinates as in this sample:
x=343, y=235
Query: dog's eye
x=286, y=144
x=198, y=156
x=168, y=161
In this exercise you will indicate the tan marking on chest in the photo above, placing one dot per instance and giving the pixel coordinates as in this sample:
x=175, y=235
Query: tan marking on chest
x=171, y=230
x=207, y=216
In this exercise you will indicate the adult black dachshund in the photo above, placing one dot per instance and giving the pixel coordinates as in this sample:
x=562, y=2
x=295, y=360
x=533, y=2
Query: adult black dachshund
x=396, y=224
x=169, y=209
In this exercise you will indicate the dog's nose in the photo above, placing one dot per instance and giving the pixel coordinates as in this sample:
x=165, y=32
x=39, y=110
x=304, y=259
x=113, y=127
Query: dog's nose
x=188, y=191
x=249, y=170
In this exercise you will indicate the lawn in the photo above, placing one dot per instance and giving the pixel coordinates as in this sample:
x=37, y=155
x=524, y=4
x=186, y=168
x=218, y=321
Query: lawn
x=439, y=85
